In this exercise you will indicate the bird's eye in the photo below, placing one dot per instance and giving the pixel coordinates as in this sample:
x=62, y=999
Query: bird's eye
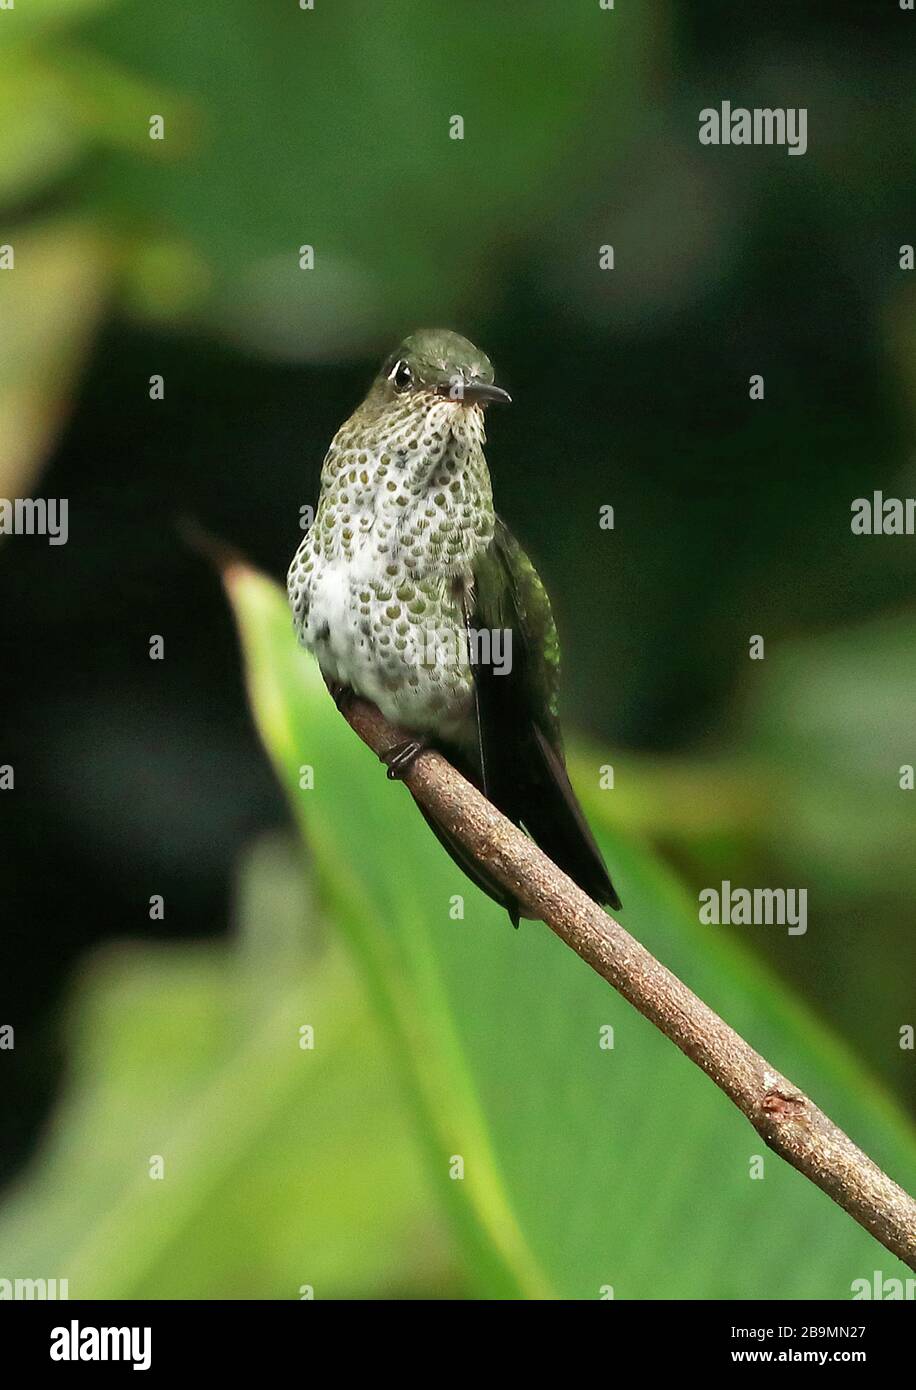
x=401, y=376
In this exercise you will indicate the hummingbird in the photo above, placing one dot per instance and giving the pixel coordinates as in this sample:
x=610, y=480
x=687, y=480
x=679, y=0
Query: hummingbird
x=406, y=560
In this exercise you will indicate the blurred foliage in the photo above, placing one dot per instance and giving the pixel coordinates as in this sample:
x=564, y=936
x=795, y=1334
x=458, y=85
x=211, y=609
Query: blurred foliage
x=283, y=1166
x=802, y=786
x=347, y=149
x=49, y=308
x=403, y=218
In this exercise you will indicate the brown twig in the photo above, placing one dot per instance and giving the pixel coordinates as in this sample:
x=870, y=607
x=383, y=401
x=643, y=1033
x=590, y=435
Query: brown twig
x=782, y=1115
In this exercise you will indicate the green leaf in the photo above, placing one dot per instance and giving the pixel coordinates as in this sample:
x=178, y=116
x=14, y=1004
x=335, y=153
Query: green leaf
x=833, y=716
x=283, y=1166
x=50, y=304
x=40, y=138
x=583, y=1167
x=24, y=22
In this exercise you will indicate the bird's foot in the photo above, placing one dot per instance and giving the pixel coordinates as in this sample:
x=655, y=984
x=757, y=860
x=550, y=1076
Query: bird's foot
x=341, y=694
x=400, y=757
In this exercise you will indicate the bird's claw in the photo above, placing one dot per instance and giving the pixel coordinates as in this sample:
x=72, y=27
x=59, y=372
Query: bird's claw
x=400, y=757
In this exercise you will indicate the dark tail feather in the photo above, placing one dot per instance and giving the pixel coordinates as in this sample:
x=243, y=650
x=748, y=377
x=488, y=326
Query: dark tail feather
x=548, y=809
x=535, y=792
x=472, y=869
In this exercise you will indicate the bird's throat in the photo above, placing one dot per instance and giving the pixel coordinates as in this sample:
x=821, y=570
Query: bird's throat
x=411, y=490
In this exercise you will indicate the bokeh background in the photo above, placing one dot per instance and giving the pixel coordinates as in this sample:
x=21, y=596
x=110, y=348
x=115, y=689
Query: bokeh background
x=179, y=257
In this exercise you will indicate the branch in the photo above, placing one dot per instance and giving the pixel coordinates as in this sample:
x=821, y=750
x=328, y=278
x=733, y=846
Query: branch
x=787, y=1121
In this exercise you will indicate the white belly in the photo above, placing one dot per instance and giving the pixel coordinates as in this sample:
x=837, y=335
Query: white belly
x=398, y=642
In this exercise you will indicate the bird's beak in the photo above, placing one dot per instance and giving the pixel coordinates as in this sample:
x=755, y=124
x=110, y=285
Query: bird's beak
x=482, y=392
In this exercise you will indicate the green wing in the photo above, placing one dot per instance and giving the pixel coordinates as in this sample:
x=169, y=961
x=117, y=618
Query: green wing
x=524, y=770
x=509, y=594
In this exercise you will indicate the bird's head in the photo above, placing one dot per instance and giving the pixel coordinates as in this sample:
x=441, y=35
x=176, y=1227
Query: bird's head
x=434, y=365
x=424, y=409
